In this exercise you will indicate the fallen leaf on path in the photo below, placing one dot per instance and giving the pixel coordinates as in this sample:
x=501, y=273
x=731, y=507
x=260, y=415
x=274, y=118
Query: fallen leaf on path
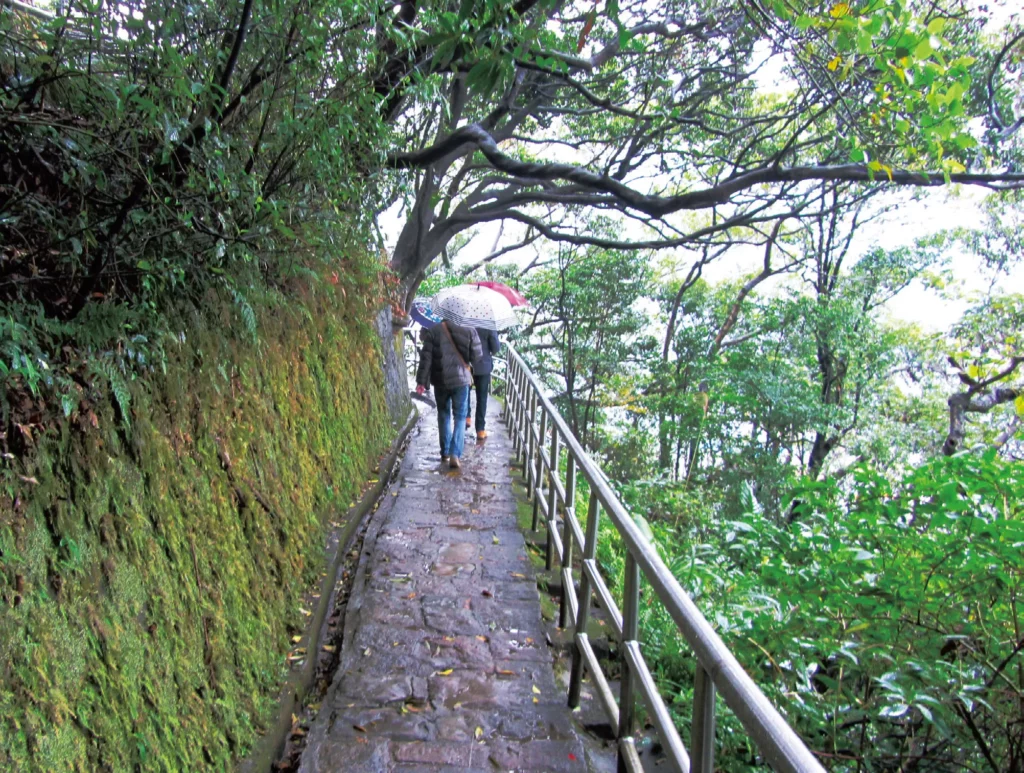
x=446, y=672
x=329, y=648
x=296, y=639
x=360, y=728
x=479, y=732
x=536, y=690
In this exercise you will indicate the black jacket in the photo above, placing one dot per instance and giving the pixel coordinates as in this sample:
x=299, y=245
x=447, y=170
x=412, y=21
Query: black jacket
x=437, y=347
x=490, y=345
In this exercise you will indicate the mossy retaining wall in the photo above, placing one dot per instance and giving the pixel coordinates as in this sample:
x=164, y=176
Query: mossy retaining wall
x=151, y=569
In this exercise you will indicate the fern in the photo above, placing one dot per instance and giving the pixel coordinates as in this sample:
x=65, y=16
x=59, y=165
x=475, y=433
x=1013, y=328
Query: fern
x=247, y=313
x=118, y=386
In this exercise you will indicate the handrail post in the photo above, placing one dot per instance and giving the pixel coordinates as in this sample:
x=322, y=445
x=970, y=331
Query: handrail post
x=520, y=415
x=549, y=559
x=511, y=374
x=517, y=408
x=531, y=482
x=568, y=513
x=630, y=628
x=702, y=731
x=583, y=619
x=539, y=476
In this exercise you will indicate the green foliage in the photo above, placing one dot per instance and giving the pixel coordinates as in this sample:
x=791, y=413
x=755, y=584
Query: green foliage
x=585, y=328
x=151, y=151
x=910, y=65
x=884, y=621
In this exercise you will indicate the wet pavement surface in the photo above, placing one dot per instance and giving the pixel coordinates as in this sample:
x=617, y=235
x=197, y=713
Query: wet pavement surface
x=445, y=664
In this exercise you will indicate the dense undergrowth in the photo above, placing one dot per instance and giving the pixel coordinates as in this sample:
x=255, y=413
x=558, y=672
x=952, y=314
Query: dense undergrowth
x=884, y=618
x=154, y=546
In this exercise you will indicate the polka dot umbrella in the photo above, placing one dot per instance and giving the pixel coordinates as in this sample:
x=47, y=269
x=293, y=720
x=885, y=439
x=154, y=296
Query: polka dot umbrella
x=474, y=306
x=514, y=297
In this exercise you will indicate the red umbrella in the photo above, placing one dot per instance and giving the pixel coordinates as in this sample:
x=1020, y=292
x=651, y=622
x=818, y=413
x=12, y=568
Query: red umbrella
x=514, y=297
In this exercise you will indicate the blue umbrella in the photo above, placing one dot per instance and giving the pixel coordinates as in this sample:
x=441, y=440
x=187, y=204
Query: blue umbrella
x=423, y=314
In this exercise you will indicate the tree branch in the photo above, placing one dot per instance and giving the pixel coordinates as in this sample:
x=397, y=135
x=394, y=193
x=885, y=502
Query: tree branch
x=475, y=137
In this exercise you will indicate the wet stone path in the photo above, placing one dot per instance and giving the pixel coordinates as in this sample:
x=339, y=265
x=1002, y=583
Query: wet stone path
x=445, y=665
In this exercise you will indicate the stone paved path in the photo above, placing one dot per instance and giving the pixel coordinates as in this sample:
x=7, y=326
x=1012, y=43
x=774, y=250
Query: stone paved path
x=445, y=665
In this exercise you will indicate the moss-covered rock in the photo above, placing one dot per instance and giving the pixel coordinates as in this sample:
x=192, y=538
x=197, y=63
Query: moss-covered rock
x=151, y=564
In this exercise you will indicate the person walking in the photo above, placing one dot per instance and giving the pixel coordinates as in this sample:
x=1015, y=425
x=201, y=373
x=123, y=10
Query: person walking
x=445, y=361
x=490, y=345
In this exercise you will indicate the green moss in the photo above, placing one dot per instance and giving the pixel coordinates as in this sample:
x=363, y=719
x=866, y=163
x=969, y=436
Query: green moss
x=149, y=581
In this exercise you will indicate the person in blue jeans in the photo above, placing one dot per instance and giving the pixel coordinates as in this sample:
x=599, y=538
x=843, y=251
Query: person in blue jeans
x=490, y=346
x=445, y=363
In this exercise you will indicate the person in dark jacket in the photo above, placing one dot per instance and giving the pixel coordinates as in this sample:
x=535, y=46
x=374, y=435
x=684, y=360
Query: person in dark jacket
x=490, y=346
x=448, y=353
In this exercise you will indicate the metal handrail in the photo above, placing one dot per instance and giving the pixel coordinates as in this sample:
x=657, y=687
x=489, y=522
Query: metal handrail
x=539, y=434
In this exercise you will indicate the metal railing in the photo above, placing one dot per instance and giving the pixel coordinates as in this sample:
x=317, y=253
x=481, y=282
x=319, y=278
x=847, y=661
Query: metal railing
x=540, y=436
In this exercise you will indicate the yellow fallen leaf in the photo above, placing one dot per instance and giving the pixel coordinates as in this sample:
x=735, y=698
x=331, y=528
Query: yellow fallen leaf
x=479, y=732
x=536, y=701
x=305, y=611
x=481, y=638
x=296, y=639
x=446, y=672
x=535, y=690
x=495, y=540
x=329, y=648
